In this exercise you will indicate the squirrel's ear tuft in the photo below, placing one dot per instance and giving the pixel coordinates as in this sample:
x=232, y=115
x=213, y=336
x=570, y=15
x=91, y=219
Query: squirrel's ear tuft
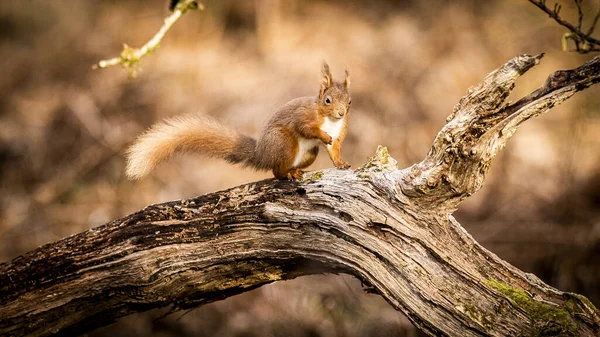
x=347, y=80
x=326, y=79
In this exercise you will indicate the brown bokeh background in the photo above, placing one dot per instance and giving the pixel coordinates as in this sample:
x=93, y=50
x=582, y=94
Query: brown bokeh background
x=64, y=129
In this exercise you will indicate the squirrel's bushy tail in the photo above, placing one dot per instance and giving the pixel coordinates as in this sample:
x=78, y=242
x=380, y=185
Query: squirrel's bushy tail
x=189, y=133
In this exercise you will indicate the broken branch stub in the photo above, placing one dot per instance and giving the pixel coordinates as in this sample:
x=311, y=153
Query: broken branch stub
x=480, y=127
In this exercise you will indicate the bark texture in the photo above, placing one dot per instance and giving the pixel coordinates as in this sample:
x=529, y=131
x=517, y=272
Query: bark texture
x=391, y=228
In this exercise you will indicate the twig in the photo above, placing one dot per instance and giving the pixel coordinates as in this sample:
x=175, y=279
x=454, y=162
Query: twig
x=131, y=57
x=579, y=13
x=593, y=26
x=584, y=43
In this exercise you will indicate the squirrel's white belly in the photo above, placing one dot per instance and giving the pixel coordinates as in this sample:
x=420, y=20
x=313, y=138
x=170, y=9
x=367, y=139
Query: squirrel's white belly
x=333, y=127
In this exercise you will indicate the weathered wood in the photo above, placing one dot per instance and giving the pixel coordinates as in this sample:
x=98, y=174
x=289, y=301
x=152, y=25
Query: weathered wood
x=390, y=228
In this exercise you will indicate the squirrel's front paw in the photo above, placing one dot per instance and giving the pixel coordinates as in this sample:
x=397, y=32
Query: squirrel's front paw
x=342, y=165
x=327, y=140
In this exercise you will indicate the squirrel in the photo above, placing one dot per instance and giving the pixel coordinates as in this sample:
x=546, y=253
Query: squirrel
x=289, y=141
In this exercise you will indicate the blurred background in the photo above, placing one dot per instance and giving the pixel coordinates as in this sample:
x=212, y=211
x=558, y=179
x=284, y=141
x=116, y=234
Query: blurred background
x=64, y=129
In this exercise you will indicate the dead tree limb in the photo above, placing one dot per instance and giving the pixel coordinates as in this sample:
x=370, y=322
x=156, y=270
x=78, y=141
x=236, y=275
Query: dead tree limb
x=391, y=228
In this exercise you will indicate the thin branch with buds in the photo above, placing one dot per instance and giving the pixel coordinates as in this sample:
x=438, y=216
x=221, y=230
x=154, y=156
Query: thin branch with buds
x=131, y=57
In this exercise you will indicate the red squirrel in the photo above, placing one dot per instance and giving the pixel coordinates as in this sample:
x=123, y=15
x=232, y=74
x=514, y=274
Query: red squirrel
x=289, y=141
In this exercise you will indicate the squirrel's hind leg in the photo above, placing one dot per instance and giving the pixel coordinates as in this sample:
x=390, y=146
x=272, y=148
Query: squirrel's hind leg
x=291, y=174
x=295, y=174
x=288, y=174
x=285, y=171
x=309, y=157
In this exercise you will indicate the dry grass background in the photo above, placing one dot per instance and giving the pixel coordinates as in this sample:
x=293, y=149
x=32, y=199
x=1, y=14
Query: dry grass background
x=64, y=129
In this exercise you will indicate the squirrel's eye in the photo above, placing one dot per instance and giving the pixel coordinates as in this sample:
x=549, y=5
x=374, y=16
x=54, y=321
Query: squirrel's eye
x=327, y=100
x=349, y=102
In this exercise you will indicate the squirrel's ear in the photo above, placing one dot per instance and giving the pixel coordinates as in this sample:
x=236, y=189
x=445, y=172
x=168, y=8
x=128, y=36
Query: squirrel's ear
x=347, y=80
x=326, y=80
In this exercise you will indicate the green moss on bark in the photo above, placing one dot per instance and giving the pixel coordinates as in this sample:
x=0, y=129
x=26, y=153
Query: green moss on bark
x=546, y=319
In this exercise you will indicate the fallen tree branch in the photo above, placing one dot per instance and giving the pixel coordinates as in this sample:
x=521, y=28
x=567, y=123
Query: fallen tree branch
x=131, y=57
x=390, y=228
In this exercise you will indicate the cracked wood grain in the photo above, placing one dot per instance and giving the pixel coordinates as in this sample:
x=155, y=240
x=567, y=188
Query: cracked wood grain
x=391, y=228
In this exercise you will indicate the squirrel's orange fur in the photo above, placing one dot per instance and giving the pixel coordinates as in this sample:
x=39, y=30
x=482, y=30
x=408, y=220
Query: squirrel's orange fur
x=287, y=144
